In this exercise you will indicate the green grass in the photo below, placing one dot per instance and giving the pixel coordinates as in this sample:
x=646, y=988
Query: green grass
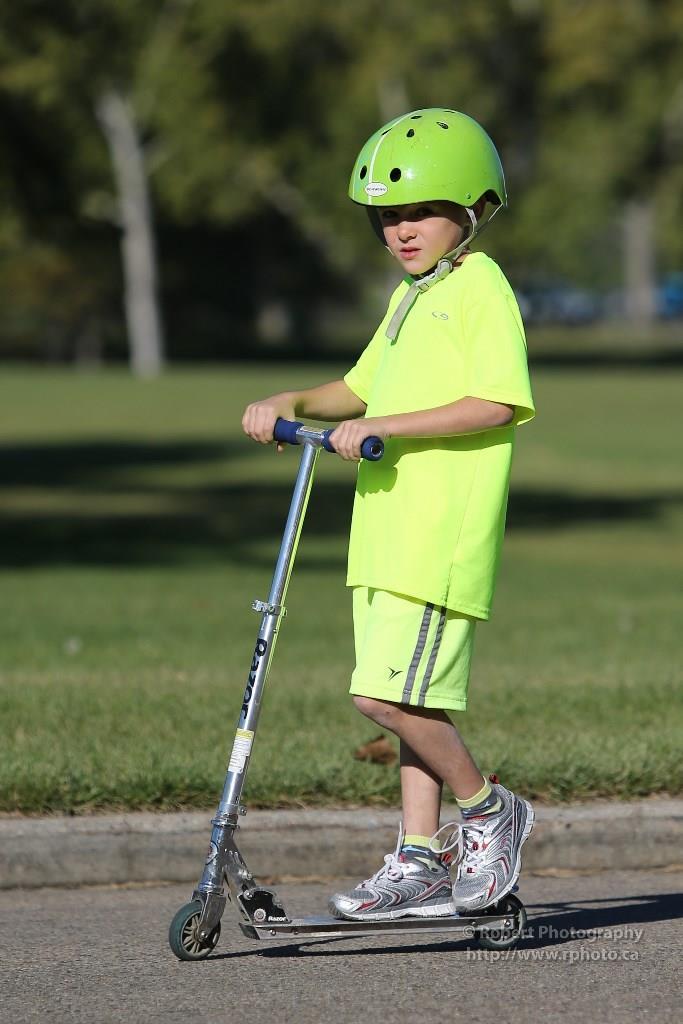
x=137, y=525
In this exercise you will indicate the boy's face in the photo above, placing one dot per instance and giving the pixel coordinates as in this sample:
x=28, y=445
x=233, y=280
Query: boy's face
x=419, y=234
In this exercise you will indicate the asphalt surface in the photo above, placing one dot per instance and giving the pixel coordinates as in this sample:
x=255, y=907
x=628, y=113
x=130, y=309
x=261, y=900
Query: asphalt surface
x=601, y=947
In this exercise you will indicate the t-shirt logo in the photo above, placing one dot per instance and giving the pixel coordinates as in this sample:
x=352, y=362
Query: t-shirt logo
x=438, y=315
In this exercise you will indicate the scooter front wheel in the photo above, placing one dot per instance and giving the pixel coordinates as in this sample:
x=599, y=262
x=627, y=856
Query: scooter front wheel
x=182, y=935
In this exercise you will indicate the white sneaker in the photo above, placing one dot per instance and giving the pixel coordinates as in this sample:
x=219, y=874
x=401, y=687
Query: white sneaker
x=491, y=859
x=404, y=886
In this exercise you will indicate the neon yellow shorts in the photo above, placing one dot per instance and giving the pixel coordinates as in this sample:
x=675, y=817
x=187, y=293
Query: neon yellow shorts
x=410, y=652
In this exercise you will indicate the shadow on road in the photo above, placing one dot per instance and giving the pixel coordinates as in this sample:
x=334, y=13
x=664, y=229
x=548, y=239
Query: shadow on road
x=552, y=923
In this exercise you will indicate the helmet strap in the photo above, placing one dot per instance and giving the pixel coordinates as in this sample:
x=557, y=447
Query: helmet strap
x=440, y=272
x=453, y=256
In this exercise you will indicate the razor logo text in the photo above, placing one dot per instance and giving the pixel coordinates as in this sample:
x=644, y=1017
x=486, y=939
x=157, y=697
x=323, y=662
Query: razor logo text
x=259, y=651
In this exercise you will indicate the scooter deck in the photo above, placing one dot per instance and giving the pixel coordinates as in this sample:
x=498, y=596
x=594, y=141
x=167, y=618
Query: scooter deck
x=328, y=927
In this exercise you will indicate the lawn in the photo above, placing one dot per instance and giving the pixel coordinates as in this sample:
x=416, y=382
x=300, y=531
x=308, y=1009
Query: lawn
x=138, y=524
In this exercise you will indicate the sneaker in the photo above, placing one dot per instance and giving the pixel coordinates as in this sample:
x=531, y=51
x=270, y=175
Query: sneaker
x=491, y=860
x=404, y=887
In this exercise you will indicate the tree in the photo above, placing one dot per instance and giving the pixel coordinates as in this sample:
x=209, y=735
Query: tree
x=242, y=121
x=613, y=130
x=84, y=63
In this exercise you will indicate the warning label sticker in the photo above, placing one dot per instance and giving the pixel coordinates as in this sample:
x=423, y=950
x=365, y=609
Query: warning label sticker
x=241, y=749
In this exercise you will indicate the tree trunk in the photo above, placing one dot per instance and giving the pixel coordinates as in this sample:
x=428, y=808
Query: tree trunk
x=392, y=97
x=143, y=316
x=639, y=261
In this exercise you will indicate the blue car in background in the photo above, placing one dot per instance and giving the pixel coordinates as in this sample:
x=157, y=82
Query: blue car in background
x=564, y=303
x=558, y=303
x=670, y=297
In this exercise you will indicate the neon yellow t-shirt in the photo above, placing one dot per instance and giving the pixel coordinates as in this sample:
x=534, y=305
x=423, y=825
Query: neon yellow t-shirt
x=428, y=520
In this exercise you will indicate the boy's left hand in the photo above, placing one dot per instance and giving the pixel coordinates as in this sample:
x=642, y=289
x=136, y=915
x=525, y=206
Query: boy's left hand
x=350, y=434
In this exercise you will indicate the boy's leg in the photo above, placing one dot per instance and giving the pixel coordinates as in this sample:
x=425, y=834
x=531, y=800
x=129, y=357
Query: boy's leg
x=496, y=821
x=405, y=649
x=408, y=654
x=431, y=735
x=414, y=881
x=420, y=793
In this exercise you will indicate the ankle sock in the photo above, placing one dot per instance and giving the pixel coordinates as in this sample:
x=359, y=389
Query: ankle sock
x=486, y=801
x=417, y=848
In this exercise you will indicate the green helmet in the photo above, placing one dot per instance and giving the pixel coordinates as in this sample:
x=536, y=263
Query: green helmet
x=426, y=155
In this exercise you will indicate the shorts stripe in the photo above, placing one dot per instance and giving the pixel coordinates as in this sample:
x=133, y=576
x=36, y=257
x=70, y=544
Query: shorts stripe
x=417, y=655
x=432, y=658
x=409, y=651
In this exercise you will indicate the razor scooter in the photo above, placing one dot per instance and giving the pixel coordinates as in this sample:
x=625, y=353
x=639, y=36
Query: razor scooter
x=195, y=929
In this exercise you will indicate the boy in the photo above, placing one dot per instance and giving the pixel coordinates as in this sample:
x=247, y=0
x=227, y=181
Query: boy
x=444, y=382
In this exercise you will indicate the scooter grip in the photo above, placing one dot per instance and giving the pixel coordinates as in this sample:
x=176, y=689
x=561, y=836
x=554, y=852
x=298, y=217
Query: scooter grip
x=372, y=448
x=285, y=430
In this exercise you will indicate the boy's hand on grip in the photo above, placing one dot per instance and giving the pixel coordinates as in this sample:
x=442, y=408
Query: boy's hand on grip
x=258, y=421
x=349, y=436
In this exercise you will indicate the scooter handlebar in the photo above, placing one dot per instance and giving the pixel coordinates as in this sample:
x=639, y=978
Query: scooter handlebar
x=372, y=448
x=285, y=431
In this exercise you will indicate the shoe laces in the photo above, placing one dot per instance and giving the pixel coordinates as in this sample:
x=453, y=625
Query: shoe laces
x=393, y=867
x=451, y=843
x=474, y=849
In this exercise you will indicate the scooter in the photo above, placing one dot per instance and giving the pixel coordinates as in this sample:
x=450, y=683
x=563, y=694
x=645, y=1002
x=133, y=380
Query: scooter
x=196, y=927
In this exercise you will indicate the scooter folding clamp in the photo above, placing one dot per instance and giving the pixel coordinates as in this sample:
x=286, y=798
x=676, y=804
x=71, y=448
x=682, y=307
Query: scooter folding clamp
x=262, y=906
x=269, y=609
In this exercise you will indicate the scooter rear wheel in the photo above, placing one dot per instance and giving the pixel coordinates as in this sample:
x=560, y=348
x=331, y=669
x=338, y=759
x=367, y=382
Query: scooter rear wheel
x=182, y=935
x=504, y=938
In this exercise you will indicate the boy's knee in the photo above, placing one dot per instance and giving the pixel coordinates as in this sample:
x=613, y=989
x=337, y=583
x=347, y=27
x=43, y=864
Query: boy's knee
x=379, y=711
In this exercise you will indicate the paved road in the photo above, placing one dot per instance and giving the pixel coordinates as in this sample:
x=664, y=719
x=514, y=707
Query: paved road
x=603, y=947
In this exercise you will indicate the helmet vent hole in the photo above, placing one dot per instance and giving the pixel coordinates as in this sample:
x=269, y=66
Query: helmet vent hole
x=410, y=133
x=415, y=117
x=442, y=124
x=395, y=174
x=363, y=172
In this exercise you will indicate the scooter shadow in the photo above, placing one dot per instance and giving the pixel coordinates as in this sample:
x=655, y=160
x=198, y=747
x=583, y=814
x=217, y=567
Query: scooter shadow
x=550, y=924
x=320, y=948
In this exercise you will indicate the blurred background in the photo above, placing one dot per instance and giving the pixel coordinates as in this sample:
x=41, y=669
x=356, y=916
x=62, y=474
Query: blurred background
x=176, y=241
x=174, y=173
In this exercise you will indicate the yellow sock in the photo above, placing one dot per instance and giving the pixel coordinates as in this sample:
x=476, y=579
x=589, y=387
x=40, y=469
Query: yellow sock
x=420, y=841
x=418, y=848
x=472, y=801
x=483, y=802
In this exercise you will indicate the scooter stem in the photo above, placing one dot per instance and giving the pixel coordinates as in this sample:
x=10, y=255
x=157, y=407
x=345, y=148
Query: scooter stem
x=273, y=611
x=223, y=858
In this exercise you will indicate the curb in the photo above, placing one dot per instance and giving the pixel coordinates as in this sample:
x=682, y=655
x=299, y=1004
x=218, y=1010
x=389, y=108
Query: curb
x=148, y=847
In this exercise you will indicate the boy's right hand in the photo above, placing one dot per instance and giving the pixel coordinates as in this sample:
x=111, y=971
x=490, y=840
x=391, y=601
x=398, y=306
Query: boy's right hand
x=258, y=421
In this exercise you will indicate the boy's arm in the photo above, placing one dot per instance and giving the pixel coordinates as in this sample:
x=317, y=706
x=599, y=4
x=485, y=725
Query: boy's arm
x=466, y=416
x=331, y=401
